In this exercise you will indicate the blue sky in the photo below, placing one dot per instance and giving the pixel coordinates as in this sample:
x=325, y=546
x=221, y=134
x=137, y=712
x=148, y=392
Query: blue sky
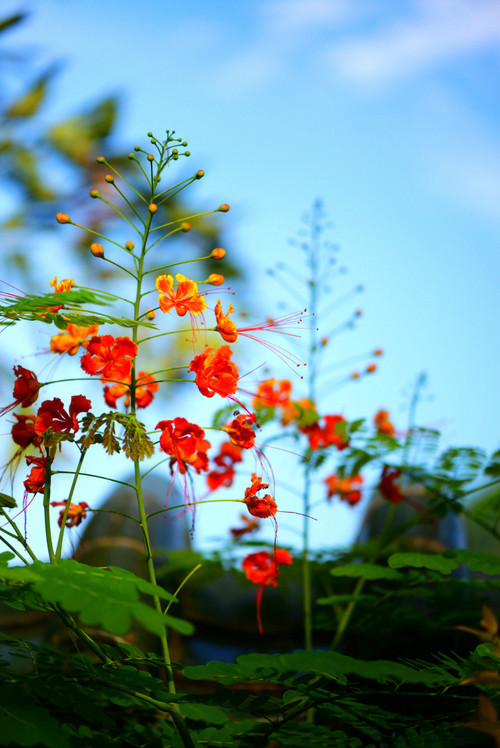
x=387, y=111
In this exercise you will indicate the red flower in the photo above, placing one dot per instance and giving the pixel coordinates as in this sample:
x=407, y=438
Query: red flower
x=326, y=435
x=383, y=424
x=76, y=513
x=346, y=488
x=259, y=507
x=240, y=431
x=64, y=285
x=181, y=439
x=262, y=569
x=215, y=373
x=199, y=461
x=51, y=414
x=272, y=393
x=110, y=357
x=249, y=525
x=23, y=432
x=26, y=389
x=228, y=454
x=388, y=487
x=35, y=482
x=146, y=388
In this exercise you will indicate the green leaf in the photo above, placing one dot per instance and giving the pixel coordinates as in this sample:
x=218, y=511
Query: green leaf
x=486, y=563
x=204, y=712
x=436, y=562
x=7, y=501
x=10, y=21
x=368, y=571
x=493, y=467
x=5, y=557
x=102, y=597
x=24, y=723
x=28, y=104
x=460, y=463
x=77, y=137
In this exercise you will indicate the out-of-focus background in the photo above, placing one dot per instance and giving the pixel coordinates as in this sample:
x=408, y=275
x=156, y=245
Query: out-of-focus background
x=388, y=112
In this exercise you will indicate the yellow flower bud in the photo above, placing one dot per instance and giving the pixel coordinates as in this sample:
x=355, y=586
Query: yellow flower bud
x=218, y=253
x=97, y=249
x=215, y=279
x=63, y=218
x=152, y=208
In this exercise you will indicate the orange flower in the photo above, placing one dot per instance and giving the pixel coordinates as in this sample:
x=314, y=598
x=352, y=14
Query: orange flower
x=64, y=285
x=26, y=388
x=110, y=357
x=23, y=432
x=271, y=394
x=185, y=299
x=383, y=424
x=326, y=435
x=240, y=431
x=181, y=439
x=346, y=488
x=199, y=461
x=249, y=526
x=76, y=513
x=72, y=338
x=215, y=373
x=262, y=569
x=147, y=386
x=259, y=507
x=225, y=326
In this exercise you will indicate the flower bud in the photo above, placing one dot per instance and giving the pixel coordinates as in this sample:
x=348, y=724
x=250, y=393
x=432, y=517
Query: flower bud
x=101, y=160
x=371, y=368
x=137, y=147
x=215, y=279
x=358, y=313
x=185, y=226
x=199, y=174
x=130, y=246
x=187, y=153
x=94, y=193
x=63, y=218
x=218, y=253
x=378, y=352
x=131, y=156
x=109, y=178
x=355, y=375
x=175, y=151
x=151, y=157
x=150, y=134
x=223, y=208
x=152, y=208
x=97, y=249
x=184, y=143
x=150, y=314
x=324, y=341
x=153, y=141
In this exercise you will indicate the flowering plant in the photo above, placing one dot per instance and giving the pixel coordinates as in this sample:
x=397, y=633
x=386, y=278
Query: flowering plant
x=109, y=689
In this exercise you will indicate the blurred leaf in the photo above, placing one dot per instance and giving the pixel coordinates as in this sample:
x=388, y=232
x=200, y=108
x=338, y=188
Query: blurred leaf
x=493, y=467
x=77, y=138
x=368, y=571
x=24, y=723
x=8, y=501
x=22, y=166
x=460, y=463
x=10, y=21
x=28, y=104
x=436, y=562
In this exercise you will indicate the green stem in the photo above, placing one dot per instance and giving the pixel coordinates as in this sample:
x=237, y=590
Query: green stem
x=19, y=534
x=68, y=502
x=46, y=510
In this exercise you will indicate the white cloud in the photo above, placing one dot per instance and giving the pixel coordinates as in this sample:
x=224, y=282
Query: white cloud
x=439, y=30
x=291, y=16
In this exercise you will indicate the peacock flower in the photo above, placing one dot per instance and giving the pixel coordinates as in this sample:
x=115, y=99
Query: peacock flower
x=35, y=482
x=225, y=326
x=76, y=513
x=110, y=357
x=214, y=372
x=182, y=440
x=185, y=298
x=388, y=486
x=228, y=455
x=272, y=394
x=261, y=507
x=261, y=568
x=146, y=387
x=249, y=526
x=23, y=432
x=240, y=431
x=348, y=489
x=72, y=338
x=326, y=435
x=51, y=415
x=26, y=388
x=65, y=285
x=383, y=424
